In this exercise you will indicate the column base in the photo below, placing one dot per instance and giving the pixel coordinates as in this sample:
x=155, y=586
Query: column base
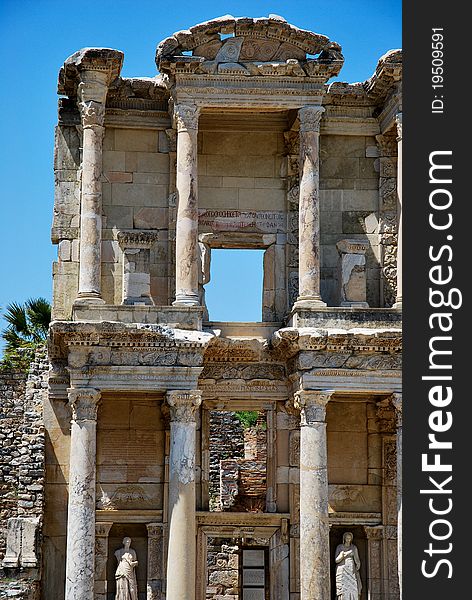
x=88, y=298
x=398, y=305
x=353, y=304
x=309, y=303
x=186, y=300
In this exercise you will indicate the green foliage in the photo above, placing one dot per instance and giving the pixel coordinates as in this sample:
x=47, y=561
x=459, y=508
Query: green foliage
x=27, y=329
x=247, y=418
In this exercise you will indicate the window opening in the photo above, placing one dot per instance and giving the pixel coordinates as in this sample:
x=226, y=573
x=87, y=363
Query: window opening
x=234, y=292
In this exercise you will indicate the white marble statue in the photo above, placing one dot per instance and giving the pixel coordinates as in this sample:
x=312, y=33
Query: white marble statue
x=348, y=580
x=126, y=586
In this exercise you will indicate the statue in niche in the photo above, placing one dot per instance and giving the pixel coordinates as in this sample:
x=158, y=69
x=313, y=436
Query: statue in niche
x=348, y=579
x=126, y=586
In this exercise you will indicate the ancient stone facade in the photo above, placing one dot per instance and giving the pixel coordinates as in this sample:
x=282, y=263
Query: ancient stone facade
x=241, y=141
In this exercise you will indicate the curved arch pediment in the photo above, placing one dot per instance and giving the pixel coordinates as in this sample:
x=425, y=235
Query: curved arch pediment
x=244, y=40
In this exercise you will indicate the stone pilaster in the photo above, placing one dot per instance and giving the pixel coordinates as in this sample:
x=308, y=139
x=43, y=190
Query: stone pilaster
x=101, y=556
x=374, y=537
x=154, y=561
x=397, y=403
x=80, y=559
x=314, y=525
x=181, y=558
x=398, y=302
x=388, y=225
x=309, y=209
x=186, y=243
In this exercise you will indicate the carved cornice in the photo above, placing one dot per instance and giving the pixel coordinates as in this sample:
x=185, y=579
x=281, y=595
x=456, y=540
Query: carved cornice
x=104, y=61
x=310, y=118
x=186, y=116
x=312, y=405
x=92, y=114
x=387, y=73
x=84, y=403
x=289, y=341
x=137, y=337
x=135, y=238
x=183, y=405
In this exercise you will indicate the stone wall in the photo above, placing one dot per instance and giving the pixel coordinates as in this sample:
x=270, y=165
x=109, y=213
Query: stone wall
x=22, y=435
x=223, y=569
x=226, y=442
x=12, y=391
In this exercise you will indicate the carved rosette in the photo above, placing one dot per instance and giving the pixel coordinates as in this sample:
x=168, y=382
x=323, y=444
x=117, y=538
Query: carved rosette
x=183, y=405
x=92, y=114
x=310, y=118
x=84, y=403
x=312, y=405
x=186, y=116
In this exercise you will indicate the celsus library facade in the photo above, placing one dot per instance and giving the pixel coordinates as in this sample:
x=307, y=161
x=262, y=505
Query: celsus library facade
x=191, y=459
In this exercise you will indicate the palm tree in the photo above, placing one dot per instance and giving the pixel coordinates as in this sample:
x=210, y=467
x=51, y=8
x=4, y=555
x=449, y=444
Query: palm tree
x=27, y=329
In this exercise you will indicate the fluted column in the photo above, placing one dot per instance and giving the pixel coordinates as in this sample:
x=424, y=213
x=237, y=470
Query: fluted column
x=397, y=403
x=309, y=209
x=181, y=559
x=186, y=242
x=398, y=302
x=314, y=525
x=80, y=559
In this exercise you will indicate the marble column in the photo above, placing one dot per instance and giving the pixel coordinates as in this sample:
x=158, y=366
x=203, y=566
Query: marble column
x=186, y=242
x=181, y=558
x=309, y=209
x=314, y=525
x=398, y=302
x=397, y=403
x=80, y=558
x=92, y=92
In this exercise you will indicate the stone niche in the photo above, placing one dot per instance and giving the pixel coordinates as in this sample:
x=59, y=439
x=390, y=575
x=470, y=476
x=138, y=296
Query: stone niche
x=336, y=538
x=136, y=246
x=138, y=534
x=352, y=281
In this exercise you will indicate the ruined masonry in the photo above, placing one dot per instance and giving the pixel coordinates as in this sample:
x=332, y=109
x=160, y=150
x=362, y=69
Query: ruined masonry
x=241, y=141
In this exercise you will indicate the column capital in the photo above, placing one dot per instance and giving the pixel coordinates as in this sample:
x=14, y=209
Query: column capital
x=398, y=121
x=92, y=114
x=374, y=532
x=310, y=118
x=312, y=404
x=396, y=400
x=183, y=404
x=186, y=116
x=154, y=529
x=102, y=529
x=84, y=403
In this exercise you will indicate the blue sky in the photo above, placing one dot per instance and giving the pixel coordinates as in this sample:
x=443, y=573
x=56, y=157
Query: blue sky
x=35, y=39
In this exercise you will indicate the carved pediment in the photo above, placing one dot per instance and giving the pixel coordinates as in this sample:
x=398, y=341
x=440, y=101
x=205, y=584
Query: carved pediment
x=245, y=46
